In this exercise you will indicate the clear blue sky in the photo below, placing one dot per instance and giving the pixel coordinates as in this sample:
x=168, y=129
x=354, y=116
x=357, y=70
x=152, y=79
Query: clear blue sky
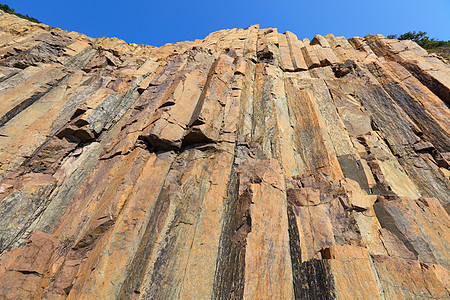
x=159, y=22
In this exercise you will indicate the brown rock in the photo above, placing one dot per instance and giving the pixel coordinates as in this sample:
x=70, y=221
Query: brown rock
x=249, y=164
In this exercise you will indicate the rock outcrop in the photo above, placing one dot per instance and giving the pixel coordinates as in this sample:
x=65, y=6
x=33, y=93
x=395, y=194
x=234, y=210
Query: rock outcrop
x=250, y=164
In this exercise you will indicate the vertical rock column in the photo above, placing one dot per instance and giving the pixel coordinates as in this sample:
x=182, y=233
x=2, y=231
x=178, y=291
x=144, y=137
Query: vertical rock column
x=268, y=270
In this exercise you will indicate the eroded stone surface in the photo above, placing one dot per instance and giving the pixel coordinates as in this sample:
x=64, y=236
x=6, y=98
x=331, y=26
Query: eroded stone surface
x=250, y=164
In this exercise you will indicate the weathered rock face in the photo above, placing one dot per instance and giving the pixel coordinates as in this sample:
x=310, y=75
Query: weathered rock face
x=250, y=164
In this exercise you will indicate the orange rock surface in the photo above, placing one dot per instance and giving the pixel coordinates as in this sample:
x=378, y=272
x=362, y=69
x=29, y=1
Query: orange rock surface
x=250, y=164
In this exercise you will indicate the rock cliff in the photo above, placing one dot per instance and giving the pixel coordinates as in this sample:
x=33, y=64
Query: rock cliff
x=250, y=164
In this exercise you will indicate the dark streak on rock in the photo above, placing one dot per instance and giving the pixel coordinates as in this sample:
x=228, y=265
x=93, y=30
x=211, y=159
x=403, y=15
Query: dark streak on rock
x=296, y=252
x=431, y=83
x=136, y=270
x=316, y=281
x=230, y=265
x=26, y=103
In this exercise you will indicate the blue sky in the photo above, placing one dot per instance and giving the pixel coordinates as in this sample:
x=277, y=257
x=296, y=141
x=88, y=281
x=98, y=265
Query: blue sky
x=159, y=22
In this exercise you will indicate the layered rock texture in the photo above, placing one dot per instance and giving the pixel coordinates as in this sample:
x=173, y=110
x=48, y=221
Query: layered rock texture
x=250, y=164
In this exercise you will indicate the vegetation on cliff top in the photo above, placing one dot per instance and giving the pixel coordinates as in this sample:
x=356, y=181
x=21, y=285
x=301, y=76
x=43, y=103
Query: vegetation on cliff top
x=432, y=45
x=10, y=10
x=421, y=39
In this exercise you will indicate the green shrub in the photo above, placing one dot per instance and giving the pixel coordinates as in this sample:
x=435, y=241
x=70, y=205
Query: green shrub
x=9, y=10
x=421, y=39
